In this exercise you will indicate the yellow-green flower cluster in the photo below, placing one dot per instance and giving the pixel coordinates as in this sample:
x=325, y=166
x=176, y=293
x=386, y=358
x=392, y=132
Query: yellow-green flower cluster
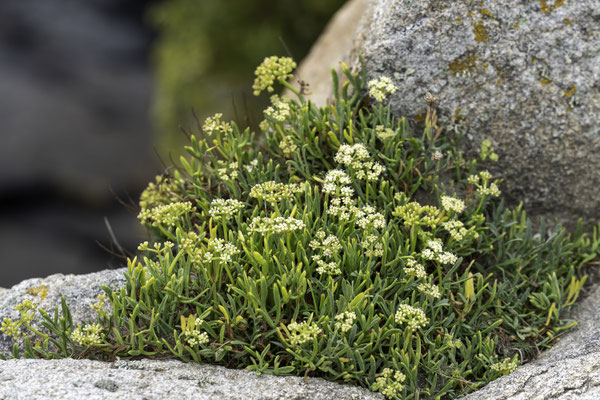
x=270, y=70
x=487, y=151
x=373, y=247
x=286, y=146
x=190, y=328
x=414, y=214
x=390, y=383
x=165, y=214
x=279, y=110
x=435, y=252
x=357, y=157
x=224, y=209
x=88, y=335
x=304, y=332
x=384, y=133
x=505, y=366
x=380, y=88
x=265, y=225
x=414, y=269
x=452, y=343
x=452, y=204
x=10, y=327
x=215, y=125
x=483, y=184
x=345, y=320
x=273, y=192
x=160, y=192
x=98, y=306
x=413, y=317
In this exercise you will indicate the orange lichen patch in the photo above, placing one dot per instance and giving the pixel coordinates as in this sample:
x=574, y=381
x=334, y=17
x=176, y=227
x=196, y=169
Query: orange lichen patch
x=545, y=81
x=458, y=117
x=459, y=20
x=41, y=290
x=480, y=31
x=419, y=118
x=468, y=62
x=516, y=26
x=486, y=12
x=567, y=21
x=548, y=8
x=570, y=92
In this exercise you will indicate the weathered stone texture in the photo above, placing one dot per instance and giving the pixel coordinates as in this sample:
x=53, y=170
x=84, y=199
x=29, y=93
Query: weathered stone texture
x=524, y=74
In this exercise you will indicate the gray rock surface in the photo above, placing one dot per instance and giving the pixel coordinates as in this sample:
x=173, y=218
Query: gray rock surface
x=568, y=371
x=80, y=293
x=151, y=379
x=525, y=75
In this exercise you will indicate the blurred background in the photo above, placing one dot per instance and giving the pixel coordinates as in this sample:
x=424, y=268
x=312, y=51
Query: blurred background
x=93, y=97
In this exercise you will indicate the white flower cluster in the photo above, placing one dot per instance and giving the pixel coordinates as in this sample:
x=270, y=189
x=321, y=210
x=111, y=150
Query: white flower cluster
x=224, y=209
x=357, y=159
x=265, y=225
x=342, y=207
x=279, y=109
x=157, y=247
x=435, y=252
x=336, y=184
x=228, y=172
x=89, y=335
x=413, y=317
x=384, y=133
x=345, y=320
x=270, y=70
x=380, y=88
x=301, y=333
x=273, y=192
x=217, y=250
x=373, y=247
x=166, y=214
x=482, y=182
x=193, y=335
x=429, y=289
x=390, y=383
x=369, y=218
x=414, y=269
x=505, y=367
x=215, y=125
x=329, y=247
x=251, y=165
x=452, y=204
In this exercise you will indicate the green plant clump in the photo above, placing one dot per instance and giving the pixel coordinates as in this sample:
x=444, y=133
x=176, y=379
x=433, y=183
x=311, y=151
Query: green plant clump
x=335, y=243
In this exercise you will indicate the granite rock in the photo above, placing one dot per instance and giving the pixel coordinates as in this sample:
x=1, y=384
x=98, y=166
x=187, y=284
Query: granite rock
x=525, y=75
x=80, y=292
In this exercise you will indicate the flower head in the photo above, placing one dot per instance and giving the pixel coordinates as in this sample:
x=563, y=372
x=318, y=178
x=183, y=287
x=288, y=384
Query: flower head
x=270, y=70
x=380, y=88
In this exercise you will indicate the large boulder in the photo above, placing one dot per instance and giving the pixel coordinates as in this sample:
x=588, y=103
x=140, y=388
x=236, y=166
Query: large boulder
x=525, y=75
